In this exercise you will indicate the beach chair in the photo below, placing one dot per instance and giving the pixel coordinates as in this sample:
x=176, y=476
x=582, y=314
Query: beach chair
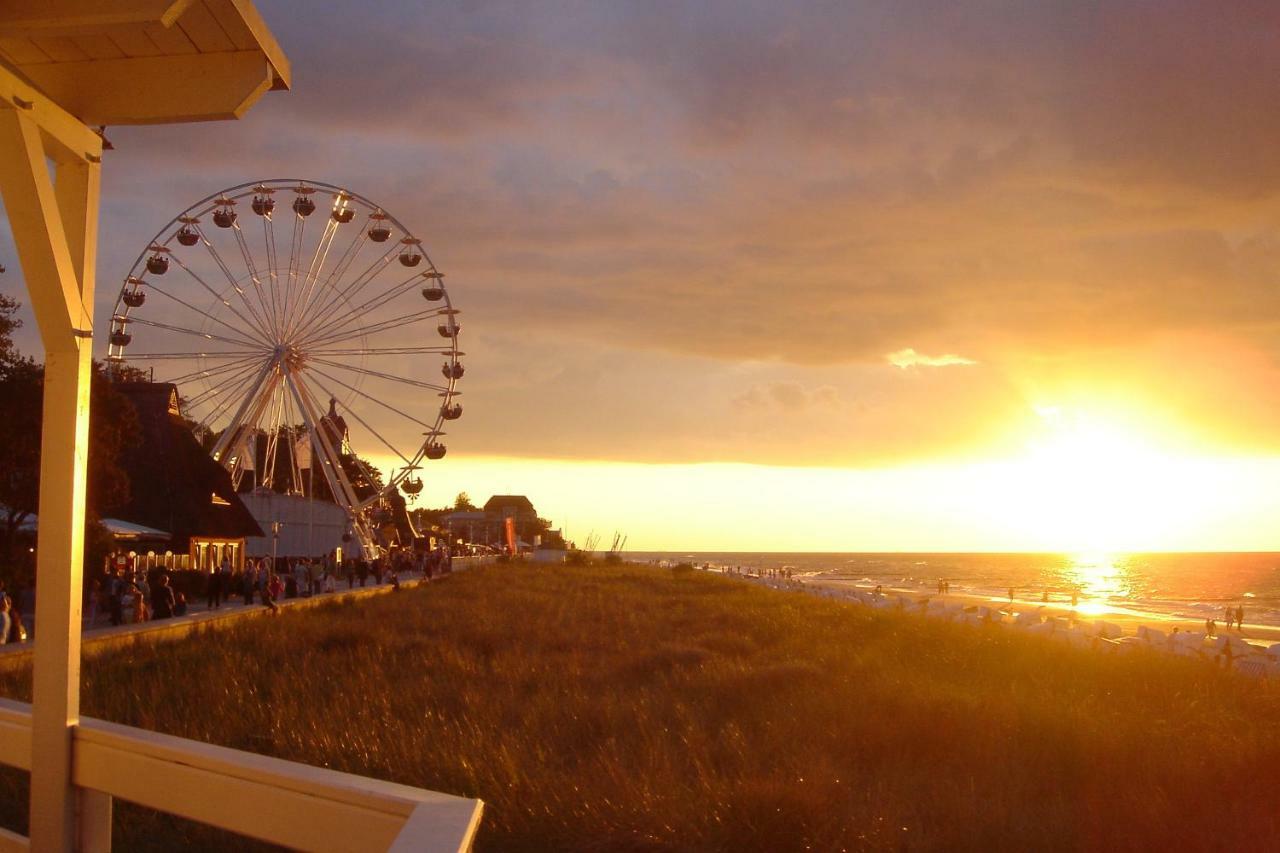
x=1251, y=667
x=1025, y=619
x=1127, y=645
x=1107, y=630
x=1153, y=636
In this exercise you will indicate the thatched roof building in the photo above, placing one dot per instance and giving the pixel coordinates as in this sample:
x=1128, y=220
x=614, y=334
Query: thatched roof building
x=174, y=484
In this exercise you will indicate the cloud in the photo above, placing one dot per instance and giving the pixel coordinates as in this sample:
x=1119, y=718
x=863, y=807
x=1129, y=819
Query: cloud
x=733, y=205
x=788, y=396
x=908, y=357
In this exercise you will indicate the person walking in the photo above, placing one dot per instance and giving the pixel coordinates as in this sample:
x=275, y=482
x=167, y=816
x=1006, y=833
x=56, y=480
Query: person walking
x=214, y=588
x=162, y=599
x=1240, y=618
x=115, y=593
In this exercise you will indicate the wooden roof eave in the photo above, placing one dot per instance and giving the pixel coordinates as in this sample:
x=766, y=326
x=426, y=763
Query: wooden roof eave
x=219, y=77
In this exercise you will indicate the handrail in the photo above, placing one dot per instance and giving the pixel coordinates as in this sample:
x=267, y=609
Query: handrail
x=273, y=800
x=15, y=734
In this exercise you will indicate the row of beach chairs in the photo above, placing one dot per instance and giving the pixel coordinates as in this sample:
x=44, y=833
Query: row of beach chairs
x=1249, y=659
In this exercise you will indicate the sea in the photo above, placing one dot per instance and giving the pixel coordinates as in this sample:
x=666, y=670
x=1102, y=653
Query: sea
x=1188, y=585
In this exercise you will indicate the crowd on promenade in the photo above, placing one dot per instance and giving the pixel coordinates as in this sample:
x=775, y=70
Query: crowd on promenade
x=123, y=596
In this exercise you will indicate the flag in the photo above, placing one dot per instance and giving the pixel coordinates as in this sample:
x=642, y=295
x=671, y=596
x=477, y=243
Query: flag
x=302, y=450
x=510, y=524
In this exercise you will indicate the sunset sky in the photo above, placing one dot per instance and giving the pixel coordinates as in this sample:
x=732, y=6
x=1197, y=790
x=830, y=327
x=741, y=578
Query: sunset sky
x=809, y=276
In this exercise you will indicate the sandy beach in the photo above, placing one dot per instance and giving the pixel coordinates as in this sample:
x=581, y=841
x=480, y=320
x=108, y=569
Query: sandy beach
x=1128, y=621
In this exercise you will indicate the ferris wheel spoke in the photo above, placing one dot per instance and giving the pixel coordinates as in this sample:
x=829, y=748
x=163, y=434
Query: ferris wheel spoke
x=231, y=277
x=319, y=293
x=245, y=253
x=370, y=397
x=352, y=412
x=257, y=323
x=339, y=270
x=185, y=331
x=223, y=395
x=308, y=281
x=251, y=329
x=314, y=269
x=440, y=350
x=295, y=267
x=208, y=373
x=382, y=299
x=269, y=240
x=319, y=316
x=338, y=334
x=176, y=356
x=391, y=377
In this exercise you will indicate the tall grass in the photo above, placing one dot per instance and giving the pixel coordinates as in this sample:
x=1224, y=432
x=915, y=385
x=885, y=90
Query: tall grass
x=624, y=708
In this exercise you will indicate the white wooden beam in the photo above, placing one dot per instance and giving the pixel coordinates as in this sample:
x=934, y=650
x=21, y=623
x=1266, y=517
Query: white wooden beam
x=62, y=314
x=54, y=227
x=157, y=89
x=24, y=18
x=66, y=137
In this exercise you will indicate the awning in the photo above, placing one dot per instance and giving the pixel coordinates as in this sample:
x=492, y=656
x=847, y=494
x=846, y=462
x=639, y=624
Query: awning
x=120, y=529
x=128, y=530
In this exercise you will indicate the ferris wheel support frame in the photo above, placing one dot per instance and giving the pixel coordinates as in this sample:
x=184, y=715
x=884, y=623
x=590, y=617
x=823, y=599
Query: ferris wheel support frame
x=339, y=484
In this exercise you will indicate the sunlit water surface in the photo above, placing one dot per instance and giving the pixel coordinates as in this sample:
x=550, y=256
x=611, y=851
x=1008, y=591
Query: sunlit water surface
x=1196, y=585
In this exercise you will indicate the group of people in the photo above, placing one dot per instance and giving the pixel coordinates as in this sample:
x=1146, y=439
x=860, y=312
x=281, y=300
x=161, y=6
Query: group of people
x=126, y=597
x=1234, y=616
x=11, y=628
x=303, y=577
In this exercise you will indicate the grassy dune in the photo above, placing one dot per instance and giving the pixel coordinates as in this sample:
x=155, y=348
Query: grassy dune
x=623, y=708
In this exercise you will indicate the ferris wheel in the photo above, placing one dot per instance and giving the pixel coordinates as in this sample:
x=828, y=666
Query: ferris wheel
x=308, y=333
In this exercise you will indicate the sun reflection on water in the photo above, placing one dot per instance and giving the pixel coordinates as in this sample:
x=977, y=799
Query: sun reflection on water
x=1100, y=578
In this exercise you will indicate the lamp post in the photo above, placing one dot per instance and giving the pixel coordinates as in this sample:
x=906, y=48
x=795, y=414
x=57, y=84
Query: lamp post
x=275, y=542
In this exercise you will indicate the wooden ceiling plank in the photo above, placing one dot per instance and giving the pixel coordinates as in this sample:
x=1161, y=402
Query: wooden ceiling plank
x=98, y=46
x=170, y=40
x=152, y=90
x=232, y=24
x=203, y=29
x=84, y=17
x=60, y=49
x=134, y=43
x=23, y=51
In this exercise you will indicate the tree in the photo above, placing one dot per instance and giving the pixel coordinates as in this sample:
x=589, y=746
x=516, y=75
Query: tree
x=462, y=503
x=112, y=427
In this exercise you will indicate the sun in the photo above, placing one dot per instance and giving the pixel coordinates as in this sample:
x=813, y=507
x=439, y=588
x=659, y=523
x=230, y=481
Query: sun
x=1085, y=483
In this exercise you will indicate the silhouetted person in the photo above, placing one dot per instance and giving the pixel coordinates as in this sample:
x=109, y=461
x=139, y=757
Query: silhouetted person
x=214, y=588
x=163, y=599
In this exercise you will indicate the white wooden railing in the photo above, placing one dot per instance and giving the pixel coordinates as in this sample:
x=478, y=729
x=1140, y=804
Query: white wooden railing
x=282, y=802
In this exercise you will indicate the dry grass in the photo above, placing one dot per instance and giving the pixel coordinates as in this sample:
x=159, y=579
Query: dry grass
x=623, y=708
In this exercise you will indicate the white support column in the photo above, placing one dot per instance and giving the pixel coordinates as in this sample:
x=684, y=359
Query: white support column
x=55, y=228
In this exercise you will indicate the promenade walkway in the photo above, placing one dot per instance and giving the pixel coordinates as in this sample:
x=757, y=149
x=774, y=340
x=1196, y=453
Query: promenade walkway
x=99, y=638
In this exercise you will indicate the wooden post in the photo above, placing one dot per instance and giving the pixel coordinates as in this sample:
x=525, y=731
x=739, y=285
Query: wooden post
x=55, y=229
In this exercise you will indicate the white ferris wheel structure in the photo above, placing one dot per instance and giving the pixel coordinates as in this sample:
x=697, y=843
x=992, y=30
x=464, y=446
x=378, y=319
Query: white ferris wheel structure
x=303, y=325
